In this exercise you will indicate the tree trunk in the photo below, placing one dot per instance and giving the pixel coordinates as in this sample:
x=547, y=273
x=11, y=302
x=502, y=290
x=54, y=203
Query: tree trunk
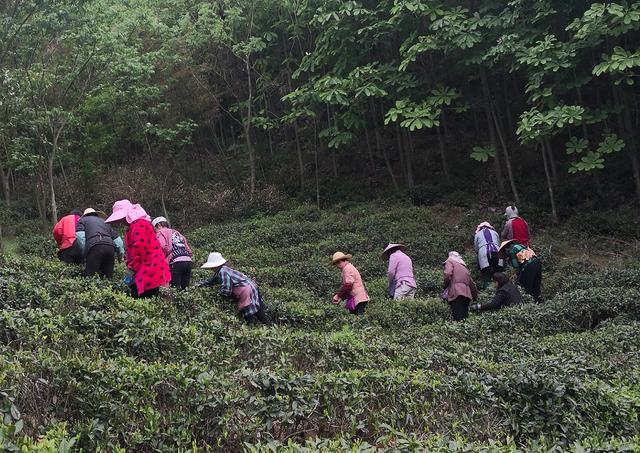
x=41, y=202
x=401, y=152
x=296, y=136
x=554, y=213
x=372, y=161
x=443, y=155
x=627, y=132
x=408, y=159
x=507, y=160
x=315, y=158
x=488, y=101
x=6, y=187
x=247, y=129
x=380, y=148
x=554, y=167
x=52, y=190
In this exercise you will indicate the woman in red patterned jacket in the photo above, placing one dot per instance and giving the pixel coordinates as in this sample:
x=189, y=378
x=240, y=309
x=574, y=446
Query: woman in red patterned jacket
x=145, y=258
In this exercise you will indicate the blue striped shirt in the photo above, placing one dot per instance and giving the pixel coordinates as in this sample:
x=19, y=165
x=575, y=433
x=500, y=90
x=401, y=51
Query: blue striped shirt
x=228, y=279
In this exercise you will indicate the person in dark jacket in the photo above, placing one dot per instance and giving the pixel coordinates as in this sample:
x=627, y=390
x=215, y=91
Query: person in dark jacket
x=100, y=248
x=507, y=294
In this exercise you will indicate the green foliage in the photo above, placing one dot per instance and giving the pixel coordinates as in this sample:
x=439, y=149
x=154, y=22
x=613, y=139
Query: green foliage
x=483, y=153
x=184, y=373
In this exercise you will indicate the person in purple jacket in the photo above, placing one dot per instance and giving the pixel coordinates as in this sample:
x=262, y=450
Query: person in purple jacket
x=402, y=284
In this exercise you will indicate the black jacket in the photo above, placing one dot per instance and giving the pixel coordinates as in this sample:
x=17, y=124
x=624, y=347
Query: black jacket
x=508, y=294
x=97, y=231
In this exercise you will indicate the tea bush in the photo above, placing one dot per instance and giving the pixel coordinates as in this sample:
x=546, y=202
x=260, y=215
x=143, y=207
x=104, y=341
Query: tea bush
x=84, y=366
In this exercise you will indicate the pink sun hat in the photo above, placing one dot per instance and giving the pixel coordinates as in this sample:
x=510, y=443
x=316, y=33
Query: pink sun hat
x=125, y=210
x=119, y=210
x=137, y=212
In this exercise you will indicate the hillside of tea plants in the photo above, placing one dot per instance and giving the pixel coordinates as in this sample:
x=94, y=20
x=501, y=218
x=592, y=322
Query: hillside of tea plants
x=85, y=367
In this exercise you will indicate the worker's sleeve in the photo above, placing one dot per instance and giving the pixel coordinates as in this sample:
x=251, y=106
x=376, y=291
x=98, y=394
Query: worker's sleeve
x=496, y=303
x=57, y=233
x=164, y=245
x=81, y=240
x=210, y=281
x=345, y=290
x=186, y=244
x=448, y=273
x=80, y=225
x=506, y=231
x=226, y=285
x=391, y=270
x=113, y=233
x=476, y=243
x=474, y=290
x=119, y=243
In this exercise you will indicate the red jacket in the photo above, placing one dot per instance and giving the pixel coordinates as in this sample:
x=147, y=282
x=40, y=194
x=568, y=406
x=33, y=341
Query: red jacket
x=64, y=232
x=145, y=257
x=520, y=231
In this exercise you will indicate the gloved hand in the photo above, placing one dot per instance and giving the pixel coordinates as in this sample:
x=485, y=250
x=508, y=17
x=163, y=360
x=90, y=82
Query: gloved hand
x=128, y=277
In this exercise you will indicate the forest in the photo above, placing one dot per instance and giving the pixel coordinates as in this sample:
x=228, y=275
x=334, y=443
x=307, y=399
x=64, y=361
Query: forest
x=218, y=105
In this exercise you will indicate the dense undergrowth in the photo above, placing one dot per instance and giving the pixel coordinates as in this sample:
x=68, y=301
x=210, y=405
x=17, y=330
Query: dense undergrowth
x=83, y=366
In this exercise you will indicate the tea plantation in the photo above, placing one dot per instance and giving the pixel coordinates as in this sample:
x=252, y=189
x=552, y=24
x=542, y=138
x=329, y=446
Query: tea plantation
x=85, y=367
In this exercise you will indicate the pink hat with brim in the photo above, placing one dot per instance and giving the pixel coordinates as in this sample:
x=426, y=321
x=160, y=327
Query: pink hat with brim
x=120, y=209
x=125, y=210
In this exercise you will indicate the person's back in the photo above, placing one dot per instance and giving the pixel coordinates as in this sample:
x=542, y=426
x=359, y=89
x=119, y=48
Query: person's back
x=402, y=264
x=516, y=227
x=509, y=294
x=351, y=275
x=100, y=248
x=97, y=231
x=64, y=233
x=459, y=279
x=520, y=231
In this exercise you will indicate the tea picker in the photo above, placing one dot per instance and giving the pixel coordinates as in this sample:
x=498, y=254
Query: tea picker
x=238, y=286
x=352, y=290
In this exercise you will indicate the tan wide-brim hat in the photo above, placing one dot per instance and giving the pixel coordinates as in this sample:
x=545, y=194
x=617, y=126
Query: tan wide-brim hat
x=89, y=211
x=339, y=256
x=501, y=250
x=392, y=247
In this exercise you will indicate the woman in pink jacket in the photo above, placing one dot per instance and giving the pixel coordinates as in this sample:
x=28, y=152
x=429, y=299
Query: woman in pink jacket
x=352, y=289
x=460, y=289
x=177, y=250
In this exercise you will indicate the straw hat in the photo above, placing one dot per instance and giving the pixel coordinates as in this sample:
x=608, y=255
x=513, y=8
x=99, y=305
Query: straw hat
x=391, y=247
x=215, y=260
x=158, y=220
x=501, y=250
x=339, y=256
x=89, y=211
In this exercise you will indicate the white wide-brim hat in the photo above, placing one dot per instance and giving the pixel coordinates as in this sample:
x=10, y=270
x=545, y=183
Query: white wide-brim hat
x=157, y=220
x=215, y=260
